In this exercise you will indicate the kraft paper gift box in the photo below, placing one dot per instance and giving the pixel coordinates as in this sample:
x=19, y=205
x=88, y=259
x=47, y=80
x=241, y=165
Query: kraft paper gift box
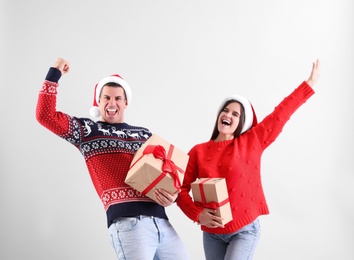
x=157, y=164
x=212, y=193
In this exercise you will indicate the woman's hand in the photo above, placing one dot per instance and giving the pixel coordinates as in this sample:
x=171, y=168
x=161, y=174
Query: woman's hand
x=315, y=73
x=208, y=218
x=164, y=198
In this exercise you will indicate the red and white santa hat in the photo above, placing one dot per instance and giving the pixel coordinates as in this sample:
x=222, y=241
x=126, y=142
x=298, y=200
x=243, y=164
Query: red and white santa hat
x=250, y=115
x=115, y=78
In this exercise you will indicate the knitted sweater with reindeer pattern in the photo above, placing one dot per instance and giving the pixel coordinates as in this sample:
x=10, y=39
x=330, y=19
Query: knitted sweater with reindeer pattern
x=108, y=150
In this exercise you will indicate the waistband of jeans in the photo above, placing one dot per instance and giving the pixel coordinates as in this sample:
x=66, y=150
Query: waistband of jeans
x=140, y=217
x=144, y=216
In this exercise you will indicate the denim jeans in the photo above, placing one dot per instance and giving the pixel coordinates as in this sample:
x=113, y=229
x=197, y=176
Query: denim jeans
x=146, y=238
x=237, y=246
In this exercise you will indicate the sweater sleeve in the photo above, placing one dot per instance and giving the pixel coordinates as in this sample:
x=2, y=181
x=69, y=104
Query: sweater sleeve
x=272, y=125
x=46, y=113
x=185, y=201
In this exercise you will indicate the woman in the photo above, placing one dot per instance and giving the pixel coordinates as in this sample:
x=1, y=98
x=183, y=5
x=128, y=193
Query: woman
x=234, y=153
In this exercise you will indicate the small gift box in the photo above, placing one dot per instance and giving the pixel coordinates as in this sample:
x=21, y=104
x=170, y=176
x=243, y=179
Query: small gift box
x=212, y=193
x=157, y=164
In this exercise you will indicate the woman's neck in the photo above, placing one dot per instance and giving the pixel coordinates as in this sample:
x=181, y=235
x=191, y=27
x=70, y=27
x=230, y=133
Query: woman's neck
x=223, y=137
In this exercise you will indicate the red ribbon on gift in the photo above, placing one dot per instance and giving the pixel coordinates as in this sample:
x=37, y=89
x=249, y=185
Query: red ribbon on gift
x=210, y=205
x=168, y=165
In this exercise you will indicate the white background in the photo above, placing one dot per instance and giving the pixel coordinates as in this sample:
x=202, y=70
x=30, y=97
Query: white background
x=181, y=59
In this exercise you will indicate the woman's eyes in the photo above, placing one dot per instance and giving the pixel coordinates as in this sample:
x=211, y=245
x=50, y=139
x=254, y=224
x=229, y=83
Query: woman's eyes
x=236, y=114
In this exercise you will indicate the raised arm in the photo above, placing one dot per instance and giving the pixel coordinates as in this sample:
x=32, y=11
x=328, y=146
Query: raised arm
x=271, y=126
x=46, y=112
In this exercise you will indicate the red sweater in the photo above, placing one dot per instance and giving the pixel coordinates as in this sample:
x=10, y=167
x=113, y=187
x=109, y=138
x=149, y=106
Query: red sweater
x=239, y=162
x=108, y=150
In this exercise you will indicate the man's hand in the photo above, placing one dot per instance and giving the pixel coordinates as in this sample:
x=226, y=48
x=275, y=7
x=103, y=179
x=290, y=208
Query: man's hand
x=164, y=198
x=62, y=65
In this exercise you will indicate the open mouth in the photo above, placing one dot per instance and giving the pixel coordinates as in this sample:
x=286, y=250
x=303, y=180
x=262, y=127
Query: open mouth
x=111, y=111
x=226, y=122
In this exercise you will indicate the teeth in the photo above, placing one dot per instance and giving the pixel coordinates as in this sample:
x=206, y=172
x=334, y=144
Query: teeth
x=111, y=110
x=225, y=122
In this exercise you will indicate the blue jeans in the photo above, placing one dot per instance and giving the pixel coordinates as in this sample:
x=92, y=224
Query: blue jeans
x=237, y=246
x=143, y=237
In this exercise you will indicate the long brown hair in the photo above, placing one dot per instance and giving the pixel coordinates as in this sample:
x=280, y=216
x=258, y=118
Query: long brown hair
x=238, y=130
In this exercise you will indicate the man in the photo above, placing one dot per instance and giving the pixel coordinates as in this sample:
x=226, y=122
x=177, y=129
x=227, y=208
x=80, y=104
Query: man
x=139, y=226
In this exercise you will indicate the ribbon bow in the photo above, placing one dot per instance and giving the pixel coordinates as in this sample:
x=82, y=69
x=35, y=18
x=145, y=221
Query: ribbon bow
x=168, y=165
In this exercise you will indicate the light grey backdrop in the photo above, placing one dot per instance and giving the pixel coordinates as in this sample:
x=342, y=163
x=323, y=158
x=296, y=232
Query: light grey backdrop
x=181, y=59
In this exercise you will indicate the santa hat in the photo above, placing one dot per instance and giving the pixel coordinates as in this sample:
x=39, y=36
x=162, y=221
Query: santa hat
x=94, y=111
x=250, y=115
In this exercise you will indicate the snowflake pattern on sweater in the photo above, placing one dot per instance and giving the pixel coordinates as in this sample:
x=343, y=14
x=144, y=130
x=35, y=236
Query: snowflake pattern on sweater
x=108, y=149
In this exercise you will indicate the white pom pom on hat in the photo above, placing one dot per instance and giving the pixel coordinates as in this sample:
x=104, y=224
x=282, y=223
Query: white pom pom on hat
x=115, y=78
x=250, y=116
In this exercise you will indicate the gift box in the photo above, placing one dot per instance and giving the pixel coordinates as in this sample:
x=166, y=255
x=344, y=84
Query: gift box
x=212, y=193
x=157, y=164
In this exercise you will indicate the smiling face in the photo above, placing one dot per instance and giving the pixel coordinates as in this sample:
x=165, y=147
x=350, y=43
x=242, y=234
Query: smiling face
x=228, y=121
x=112, y=104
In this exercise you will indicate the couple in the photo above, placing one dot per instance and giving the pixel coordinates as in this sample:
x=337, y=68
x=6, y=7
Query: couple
x=139, y=226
